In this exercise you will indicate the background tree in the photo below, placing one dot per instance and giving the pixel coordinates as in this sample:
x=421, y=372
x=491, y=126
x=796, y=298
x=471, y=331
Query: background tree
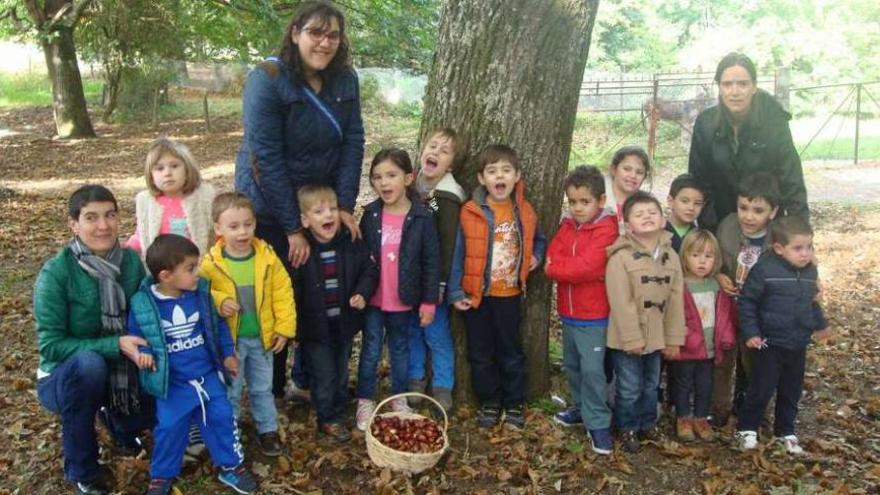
x=52, y=24
x=510, y=72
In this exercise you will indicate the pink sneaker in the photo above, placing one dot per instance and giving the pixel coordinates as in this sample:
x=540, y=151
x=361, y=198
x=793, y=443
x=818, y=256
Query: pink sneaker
x=364, y=411
x=400, y=405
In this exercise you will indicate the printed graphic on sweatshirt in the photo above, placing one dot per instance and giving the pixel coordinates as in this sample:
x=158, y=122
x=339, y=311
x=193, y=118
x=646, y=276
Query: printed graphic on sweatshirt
x=179, y=331
x=745, y=260
x=391, y=234
x=505, y=256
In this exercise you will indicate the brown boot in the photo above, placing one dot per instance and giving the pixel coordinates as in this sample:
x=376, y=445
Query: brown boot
x=684, y=429
x=703, y=430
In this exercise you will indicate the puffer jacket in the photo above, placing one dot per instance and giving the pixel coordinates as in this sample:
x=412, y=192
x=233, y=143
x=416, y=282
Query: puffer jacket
x=145, y=322
x=472, y=260
x=273, y=290
x=778, y=303
x=577, y=259
x=67, y=309
x=646, y=296
x=419, y=257
x=289, y=143
x=357, y=273
x=724, y=340
x=765, y=145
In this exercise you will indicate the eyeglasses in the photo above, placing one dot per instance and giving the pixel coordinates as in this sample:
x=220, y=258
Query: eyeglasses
x=318, y=35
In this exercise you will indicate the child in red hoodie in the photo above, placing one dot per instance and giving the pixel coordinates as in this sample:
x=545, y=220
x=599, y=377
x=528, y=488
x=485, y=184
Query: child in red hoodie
x=576, y=261
x=711, y=330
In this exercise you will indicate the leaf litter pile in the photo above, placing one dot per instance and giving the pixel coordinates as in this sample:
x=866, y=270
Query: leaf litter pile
x=838, y=422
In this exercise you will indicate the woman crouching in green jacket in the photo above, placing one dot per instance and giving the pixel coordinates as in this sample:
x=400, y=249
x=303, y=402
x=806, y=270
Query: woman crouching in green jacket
x=80, y=303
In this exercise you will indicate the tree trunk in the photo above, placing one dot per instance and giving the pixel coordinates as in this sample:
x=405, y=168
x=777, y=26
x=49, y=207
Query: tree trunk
x=112, y=86
x=510, y=72
x=69, y=102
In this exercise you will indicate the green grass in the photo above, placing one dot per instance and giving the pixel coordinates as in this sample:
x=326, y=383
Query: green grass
x=183, y=106
x=32, y=90
x=841, y=149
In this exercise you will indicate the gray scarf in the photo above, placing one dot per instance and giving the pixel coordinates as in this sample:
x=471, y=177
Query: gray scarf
x=105, y=270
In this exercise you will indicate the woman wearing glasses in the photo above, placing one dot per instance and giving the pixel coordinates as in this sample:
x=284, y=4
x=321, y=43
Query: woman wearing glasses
x=302, y=125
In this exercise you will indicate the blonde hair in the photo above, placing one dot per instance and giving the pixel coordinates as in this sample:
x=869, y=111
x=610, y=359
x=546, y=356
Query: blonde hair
x=227, y=201
x=311, y=194
x=699, y=240
x=164, y=145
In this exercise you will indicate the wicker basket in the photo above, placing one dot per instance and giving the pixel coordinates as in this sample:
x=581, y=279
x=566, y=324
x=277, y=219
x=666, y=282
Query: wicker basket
x=409, y=462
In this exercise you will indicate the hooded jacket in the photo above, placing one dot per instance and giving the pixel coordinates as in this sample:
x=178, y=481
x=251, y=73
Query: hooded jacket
x=444, y=201
x=419, y=262
x=764, y=145
x=577, y=259
x=778, y=303
x=273, y=292
x=472, y=260
x=645, y=295
x=724, y=340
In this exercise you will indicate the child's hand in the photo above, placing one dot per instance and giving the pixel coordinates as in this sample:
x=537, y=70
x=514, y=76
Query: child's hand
x=756, y=343
x=229, y=307
x=547, y=266
x=637, y=351
x=533, y=263
x=463, y=305
x=671, y=352
x=231, y=364
x=726, y=284
x=425, y=318
x=145, y=361
x=357, y=301
x=823, y=335
x=278, y=343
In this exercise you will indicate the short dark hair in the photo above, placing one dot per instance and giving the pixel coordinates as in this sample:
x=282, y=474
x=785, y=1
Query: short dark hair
x=89, y=193
x=784, y=228
x=636, y=151
x=686, y=181
x=736, y=59
x=168, y=251
x=760, y=186
x=639, y=197
x=495, y=153
x=586, y=176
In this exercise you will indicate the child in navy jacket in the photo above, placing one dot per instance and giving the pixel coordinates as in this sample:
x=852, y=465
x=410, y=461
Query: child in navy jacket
x=779, y=316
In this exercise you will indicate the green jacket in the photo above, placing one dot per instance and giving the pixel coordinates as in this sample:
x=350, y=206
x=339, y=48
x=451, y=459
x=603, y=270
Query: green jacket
x=67, y=309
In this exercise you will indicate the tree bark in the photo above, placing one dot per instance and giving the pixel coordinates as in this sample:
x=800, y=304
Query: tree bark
x=510, y=72
x=69, y=101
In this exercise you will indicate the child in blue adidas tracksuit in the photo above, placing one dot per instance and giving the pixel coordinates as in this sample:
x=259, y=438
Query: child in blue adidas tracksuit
x=185, y=366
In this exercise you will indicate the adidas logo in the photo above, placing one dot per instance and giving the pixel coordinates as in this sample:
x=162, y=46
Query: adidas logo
x=185, y=345
x=180, y=326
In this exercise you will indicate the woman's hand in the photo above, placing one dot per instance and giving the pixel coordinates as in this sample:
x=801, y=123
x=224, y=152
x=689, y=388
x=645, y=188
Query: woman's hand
x=299, y=249
x=347, y=219
x=128, y=346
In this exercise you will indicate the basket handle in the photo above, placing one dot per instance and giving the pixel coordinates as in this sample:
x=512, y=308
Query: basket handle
x=409, y=394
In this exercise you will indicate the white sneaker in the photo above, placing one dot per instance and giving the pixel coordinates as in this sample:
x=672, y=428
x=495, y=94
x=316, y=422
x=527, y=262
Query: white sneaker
x=364, y=411
x=292, y=393
x=400, y=405
x=792, y=446
x=747, y=440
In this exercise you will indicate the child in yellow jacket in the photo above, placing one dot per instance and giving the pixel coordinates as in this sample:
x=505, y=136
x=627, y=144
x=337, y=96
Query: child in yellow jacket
x=252, y=290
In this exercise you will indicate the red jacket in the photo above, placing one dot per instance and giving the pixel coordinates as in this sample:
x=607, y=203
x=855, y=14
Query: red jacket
x=577, y=258
x=694, y=347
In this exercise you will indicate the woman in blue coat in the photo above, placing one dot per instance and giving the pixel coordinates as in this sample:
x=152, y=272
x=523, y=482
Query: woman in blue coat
x=302, y=125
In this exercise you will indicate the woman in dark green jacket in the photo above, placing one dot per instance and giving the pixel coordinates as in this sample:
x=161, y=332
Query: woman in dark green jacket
x=86, y=358
x=747, y=132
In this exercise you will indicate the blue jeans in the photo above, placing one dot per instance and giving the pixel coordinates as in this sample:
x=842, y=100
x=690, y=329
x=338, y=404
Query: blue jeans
x=328, y=372
x=583, y=357
x=635, y=401
x=255, y=368
x=438, y=337
x=76, y=389
x=397, y=326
